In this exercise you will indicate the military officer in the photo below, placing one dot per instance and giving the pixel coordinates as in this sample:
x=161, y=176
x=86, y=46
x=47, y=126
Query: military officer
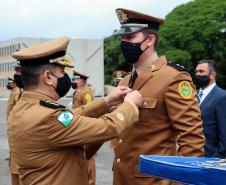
x=83, y=95
x=15, y=84
x=118, y=76
x=45, y=138
x=14, y=95
x=169, y=115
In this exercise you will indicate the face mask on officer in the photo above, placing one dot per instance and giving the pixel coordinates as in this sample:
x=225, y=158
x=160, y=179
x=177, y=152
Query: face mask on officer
x=9, y=87
x=132, y=51
x=18, y=80
x=63, y=85
x=74, y=85
x=202, y=80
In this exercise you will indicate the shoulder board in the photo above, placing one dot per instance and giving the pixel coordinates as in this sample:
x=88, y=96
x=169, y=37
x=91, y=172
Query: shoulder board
x=51, y=105
x=177, y=67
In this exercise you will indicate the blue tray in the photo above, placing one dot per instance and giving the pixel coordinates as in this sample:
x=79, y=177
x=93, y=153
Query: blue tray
x=188, y=170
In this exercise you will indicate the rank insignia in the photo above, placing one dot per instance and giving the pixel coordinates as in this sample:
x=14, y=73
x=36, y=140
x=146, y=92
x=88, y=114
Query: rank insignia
x=185, y=89
x=51, y=105
x=120, y=116
x=122, y=16
x=65, y=118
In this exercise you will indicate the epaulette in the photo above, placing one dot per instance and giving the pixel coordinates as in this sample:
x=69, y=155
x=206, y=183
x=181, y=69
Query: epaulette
x=51, y=105
x=177, y=67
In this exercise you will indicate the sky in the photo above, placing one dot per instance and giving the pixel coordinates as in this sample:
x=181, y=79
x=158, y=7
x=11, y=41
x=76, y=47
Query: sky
x=84, y=19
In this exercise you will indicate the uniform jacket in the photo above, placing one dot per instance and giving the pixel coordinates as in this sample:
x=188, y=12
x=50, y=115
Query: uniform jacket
x=213, y=113
x=82, y=96
x=13, y=99
x=166, y=118
x=46, y=139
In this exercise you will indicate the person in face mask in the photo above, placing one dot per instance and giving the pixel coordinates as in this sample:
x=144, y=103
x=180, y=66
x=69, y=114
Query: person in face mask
x=212, y=101
x=83, y=95
x=170, y=111
x=47, y=139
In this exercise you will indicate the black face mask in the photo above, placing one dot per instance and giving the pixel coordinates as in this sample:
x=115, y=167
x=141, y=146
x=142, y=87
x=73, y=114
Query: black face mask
x=74, y=85
x=18, y=80
x=202, y=80
x=63, y=85
x=9, y=87
x=131, y=51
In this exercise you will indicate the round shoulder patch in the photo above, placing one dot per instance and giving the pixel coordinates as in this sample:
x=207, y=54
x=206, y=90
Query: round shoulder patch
x=185, y=89
x=88, y=98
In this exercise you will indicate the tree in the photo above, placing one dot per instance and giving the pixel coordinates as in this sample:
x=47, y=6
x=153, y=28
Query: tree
x=192, y=32
x=196, y=31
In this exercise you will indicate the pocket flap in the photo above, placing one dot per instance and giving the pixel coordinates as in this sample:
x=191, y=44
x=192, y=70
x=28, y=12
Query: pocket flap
x=149, y=102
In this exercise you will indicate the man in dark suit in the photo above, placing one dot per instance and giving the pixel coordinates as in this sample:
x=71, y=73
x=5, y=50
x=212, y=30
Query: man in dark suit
x=213, y=109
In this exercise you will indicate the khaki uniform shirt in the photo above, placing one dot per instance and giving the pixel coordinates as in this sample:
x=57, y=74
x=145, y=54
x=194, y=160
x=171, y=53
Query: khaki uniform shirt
x=13, y=99
x=46, y=140
x=169, y=115
x=82, y=96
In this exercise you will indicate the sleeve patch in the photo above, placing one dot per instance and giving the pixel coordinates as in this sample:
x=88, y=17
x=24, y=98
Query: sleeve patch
x=185, y=89
x=88, y=98
x=65, y=118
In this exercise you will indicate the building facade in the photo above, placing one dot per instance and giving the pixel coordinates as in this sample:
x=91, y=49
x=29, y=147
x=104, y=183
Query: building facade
x=86, y=55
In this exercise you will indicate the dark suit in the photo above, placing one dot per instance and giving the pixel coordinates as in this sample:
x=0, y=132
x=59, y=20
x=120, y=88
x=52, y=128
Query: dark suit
x=213, y=112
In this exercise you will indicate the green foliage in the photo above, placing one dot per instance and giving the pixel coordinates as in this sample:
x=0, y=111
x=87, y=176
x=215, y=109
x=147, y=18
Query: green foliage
x=196, y=31
x=192, y=32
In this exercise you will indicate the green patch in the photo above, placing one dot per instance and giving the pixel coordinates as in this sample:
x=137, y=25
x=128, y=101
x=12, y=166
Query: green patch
x=185, y=89
x=65, y=118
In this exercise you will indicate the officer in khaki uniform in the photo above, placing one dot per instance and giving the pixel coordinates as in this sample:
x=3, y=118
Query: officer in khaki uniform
x=45, y=138
x=14, y=95
x=83, y=95
x=170, y=114
x=16, y=90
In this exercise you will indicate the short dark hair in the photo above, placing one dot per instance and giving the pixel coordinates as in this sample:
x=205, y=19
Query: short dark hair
x=31, y=75
x=211, y=63
x=149, y=31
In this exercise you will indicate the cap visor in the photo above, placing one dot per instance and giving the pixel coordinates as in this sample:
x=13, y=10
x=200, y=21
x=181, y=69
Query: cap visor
x=128, y=30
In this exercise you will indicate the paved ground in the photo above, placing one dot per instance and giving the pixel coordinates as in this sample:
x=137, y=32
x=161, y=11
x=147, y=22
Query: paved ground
x=103, y=161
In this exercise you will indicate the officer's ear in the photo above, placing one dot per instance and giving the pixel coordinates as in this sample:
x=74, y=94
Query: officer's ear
x=151, y=40
x=48, y=78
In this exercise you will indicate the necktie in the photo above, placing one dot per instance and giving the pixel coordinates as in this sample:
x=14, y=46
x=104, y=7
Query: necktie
x=200, y=94
x=133, y=79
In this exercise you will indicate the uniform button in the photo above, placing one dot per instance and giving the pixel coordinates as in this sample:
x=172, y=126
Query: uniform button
x=118, y=160
x=120, y=141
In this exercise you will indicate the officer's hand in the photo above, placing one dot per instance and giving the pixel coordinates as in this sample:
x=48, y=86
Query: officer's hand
x=134, y=97
x=116, y=96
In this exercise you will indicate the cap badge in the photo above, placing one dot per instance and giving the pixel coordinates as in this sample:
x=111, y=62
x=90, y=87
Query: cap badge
x=122, y=16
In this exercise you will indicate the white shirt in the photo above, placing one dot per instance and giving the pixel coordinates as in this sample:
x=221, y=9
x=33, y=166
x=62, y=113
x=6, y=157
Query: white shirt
x=206, y=91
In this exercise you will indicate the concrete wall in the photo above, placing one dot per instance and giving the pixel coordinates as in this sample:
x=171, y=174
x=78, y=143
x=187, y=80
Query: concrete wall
x=87, y=55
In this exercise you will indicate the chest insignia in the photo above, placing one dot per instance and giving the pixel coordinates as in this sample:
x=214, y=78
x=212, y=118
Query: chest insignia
x=65, y=118
x=51, y=105
x=185, y=89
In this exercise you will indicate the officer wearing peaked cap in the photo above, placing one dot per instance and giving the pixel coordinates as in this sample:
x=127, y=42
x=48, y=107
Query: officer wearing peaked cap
x=169, y=114
x=83, y=95
x=45, y=138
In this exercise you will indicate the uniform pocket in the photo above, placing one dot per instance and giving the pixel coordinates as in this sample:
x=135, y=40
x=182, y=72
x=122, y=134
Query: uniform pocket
x=147, y=110
x=149, y=102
